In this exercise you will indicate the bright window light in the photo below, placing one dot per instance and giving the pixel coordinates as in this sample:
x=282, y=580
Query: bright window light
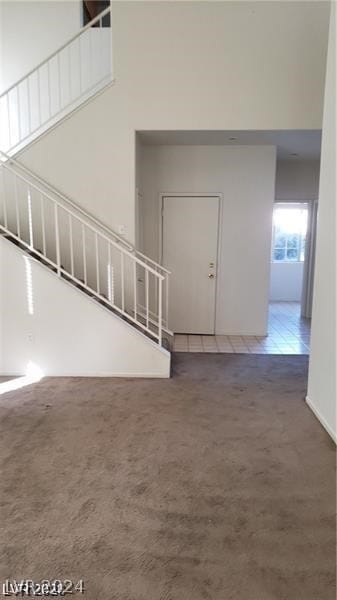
x=30, y=217
x=29, y=286
x=290, y=222
x=33, y=372
x=33, y=375
x=111, y=294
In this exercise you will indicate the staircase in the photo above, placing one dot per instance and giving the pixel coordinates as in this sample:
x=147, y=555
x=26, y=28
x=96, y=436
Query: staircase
x=50, y=227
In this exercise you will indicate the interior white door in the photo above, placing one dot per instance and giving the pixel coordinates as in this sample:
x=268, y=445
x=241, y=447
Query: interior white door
x=189, y=251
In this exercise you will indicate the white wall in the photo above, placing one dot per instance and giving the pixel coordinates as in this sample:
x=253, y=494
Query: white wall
x=187, y=65
x=245, y=176
x=286, y=282
x=322, y=396
x=70, y=334
x=297, y=180
x=32, y=30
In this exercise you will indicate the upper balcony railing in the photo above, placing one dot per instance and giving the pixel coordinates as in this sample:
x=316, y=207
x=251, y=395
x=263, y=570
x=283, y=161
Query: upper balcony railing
x=60, y=83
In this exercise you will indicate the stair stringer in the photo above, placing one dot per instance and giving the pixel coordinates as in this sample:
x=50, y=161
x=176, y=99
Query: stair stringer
x=48, y=321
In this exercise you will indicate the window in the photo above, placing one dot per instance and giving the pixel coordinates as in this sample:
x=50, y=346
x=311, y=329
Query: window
x=92, y=8
x=289, y=232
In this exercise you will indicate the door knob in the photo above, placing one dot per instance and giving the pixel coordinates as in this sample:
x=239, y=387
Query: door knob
x=211, y=275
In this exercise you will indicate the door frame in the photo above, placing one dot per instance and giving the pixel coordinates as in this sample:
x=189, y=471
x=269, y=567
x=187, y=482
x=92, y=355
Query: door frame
x=218, y=195
x=309, y=260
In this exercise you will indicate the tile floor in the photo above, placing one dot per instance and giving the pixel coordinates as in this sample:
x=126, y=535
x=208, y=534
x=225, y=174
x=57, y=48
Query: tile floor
x=289, y=333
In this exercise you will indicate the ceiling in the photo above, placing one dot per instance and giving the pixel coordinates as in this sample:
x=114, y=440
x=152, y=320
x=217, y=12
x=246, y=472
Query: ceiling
x=304, y=144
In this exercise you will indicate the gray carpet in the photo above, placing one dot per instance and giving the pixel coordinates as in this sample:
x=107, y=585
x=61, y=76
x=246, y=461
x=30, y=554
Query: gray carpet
x=217, y=484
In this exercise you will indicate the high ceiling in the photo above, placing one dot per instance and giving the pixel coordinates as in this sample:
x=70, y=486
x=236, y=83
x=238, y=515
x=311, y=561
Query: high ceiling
x=291, y=145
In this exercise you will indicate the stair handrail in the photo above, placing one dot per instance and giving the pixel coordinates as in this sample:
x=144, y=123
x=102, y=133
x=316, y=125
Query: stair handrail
x=65, y=199
x=85, y=213
x=136, y=316
x=69, y=211
x=55, y=52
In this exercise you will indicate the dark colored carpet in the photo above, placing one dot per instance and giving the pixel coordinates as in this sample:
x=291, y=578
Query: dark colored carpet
x=218, y=484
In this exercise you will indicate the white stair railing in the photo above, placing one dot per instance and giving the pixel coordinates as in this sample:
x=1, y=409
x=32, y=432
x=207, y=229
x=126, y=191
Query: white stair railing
x=82, y=250
x=67, y=78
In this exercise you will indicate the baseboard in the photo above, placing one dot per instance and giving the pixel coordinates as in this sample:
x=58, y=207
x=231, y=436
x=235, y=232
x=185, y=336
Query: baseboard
x=321, y=419
x=99, y=374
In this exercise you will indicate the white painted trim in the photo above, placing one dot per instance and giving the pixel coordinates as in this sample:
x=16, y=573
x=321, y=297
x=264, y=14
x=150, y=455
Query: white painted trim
x=293, y=203
x=219, y=260
x=218, y=195
x=126, y=375
x=229, y=332
x=321, y=419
